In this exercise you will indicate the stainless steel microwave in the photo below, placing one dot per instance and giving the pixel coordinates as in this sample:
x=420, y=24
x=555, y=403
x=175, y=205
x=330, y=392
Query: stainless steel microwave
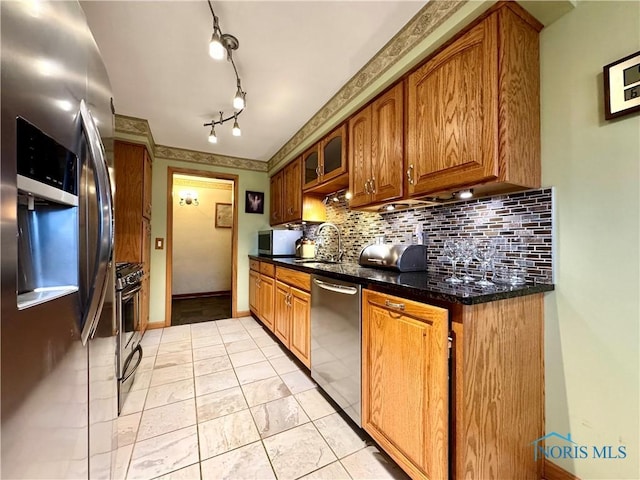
x=278, y=243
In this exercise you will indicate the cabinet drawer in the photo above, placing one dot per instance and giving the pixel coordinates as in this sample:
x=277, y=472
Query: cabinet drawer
x=294, y=278
x=268, y=269
x=254, y=265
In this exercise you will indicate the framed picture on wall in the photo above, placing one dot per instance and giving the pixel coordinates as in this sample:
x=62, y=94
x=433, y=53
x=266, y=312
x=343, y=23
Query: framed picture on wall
x=224, y=215
x=254, y=202
x=622, y=87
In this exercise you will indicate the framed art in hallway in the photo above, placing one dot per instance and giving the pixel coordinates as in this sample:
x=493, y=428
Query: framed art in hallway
x=224, y=215
x=254, y=202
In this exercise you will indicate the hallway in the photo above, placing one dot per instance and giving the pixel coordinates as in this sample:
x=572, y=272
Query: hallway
x=186, y=311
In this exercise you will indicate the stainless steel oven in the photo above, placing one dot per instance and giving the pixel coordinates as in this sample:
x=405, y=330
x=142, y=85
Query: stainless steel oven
x=129, y=352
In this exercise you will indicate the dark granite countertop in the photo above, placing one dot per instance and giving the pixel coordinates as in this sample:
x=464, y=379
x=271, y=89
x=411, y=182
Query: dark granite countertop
x=418, y=285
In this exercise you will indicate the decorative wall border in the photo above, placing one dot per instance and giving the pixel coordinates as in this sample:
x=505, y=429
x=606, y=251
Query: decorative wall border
x=136, y=127
x=138, y=130
x=430, y=17
x=201, y=182
x=193, y=156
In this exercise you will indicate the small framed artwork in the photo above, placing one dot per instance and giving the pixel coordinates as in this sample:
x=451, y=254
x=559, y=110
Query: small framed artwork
x=254, y=202
x=622, y=87
x=224, y=215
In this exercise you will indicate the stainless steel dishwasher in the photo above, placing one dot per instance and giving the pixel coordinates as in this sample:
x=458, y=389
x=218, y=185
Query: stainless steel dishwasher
x=335, y=341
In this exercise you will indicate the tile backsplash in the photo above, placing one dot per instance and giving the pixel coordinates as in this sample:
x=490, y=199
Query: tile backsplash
x=521, y=223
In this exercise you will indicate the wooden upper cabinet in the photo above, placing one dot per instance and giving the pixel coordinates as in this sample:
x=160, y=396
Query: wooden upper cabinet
x=311, y=164
x=405, y=382
x=146, y=186
x=333, y=154
x=452, y=104
x=473, y=109
x=288, y=204
x=360, y=158
x=387, y=142
x=132, y=202
x=276, y=207
x=292, y=204
x=376, y=137
x=325, y=164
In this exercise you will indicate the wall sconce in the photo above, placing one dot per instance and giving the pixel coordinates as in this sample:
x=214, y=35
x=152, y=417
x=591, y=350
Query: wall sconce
x=189, y=198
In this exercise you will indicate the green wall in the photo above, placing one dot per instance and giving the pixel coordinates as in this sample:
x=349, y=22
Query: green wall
x=592, y=334
x=248, y=226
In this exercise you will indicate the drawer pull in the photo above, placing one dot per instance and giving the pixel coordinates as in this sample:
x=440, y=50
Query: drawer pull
x=398, y=306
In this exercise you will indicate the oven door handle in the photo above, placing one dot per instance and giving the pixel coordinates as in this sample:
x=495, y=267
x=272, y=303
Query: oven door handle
x=130, y=293
x=128, y=362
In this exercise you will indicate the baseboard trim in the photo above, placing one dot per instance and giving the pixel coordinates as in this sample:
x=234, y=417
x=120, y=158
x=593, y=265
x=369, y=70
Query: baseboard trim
x=554, y=472
x=183, y=296
x=155, y=325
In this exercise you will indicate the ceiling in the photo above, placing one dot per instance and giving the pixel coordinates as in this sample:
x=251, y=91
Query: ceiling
x=293, y=57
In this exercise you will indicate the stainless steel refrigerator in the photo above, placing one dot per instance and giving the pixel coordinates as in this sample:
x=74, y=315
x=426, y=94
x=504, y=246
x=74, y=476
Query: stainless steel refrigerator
x=58, y=331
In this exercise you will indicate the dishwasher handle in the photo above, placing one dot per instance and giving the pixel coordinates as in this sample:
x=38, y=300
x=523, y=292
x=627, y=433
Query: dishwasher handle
x=334, y=287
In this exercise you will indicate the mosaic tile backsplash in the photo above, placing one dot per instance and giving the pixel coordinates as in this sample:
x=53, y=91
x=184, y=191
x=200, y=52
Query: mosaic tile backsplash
x=521, y=223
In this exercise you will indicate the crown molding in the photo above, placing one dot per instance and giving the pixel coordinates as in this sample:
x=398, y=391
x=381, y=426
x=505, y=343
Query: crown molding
x=428, y=19
x=134, y=129
x=203, y=158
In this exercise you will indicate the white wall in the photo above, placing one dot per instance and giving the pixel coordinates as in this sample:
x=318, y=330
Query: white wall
x=201, y=252
x=248, y=226
x=592, y=333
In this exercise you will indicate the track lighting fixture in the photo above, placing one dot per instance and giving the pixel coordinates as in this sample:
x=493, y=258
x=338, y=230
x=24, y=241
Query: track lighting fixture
x=212, y=135
x=236, y=128
x=220, y=44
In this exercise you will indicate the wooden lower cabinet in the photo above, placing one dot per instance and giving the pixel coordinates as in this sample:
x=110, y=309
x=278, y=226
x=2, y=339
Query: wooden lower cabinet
x=474, y=418
x=266, y=298
x=261, y=296
x=405, y=401
x=292, y=320
x=254, y=279
x=300, y=339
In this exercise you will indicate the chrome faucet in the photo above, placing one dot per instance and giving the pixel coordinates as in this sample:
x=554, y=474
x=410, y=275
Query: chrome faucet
x=340, y=251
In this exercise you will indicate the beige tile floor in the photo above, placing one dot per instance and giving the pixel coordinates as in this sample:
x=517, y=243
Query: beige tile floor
x=222, y=400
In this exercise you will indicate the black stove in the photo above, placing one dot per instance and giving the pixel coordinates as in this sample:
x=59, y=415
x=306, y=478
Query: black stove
x=128, y=274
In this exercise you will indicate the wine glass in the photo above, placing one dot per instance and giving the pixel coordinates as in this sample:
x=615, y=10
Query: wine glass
x=452, y=253
x=467, y=252
x=485, y=254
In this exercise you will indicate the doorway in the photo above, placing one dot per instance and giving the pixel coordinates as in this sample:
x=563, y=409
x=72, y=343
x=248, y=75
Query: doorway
x=201, y=246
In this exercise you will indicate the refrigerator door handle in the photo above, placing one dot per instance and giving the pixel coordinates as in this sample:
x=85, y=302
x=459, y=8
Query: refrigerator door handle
x=104, y=249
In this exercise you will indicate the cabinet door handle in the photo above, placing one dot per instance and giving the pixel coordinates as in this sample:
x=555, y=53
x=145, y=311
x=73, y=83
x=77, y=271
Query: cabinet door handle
x=398, y=306
x=410, y=174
